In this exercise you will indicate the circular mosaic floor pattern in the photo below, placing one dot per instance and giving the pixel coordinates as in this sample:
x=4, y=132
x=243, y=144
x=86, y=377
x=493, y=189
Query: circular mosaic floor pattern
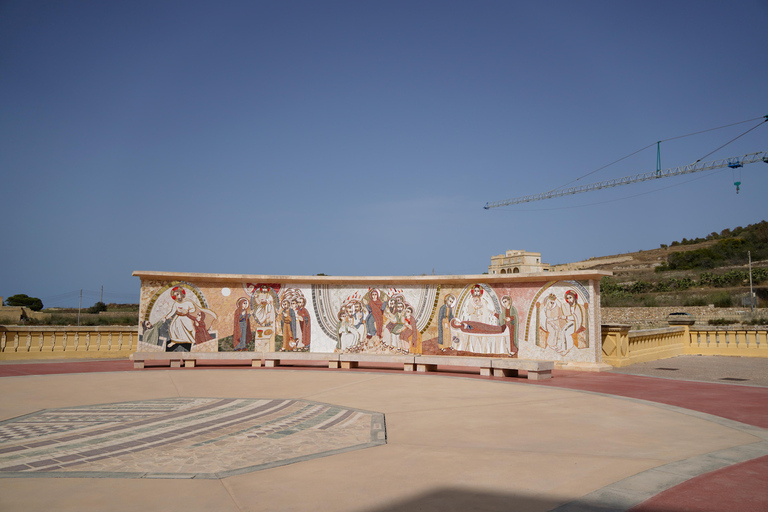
x=181, y=437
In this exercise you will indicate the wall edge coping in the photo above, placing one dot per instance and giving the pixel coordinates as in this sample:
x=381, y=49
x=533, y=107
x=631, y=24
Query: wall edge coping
x=429, y=279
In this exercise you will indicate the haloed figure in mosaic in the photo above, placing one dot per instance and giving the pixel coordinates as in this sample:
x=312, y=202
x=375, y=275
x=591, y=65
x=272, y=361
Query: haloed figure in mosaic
x=285, y=324
x=348, y=335
x=508, y=318
x=409, y=336
x=242, y=334
x=374, y=321
x=263, y=309
x=189, y=323
x=305, y=322
x=576, y=320
x=444, y=317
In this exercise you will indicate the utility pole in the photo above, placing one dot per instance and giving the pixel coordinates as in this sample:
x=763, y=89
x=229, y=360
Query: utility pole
x=751, y=294
x=102, y=294
x=79, y=307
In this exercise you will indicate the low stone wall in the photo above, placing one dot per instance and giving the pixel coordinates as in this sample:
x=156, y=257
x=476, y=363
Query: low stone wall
x=652, y=318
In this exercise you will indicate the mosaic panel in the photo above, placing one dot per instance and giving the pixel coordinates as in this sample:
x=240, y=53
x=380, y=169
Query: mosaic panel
x=181, y=437
x=532, y=320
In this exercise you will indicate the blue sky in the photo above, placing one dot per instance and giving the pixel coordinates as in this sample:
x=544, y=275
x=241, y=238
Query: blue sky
x=361, y=138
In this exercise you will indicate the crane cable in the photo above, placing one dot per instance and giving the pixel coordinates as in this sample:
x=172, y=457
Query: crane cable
x=764, y=119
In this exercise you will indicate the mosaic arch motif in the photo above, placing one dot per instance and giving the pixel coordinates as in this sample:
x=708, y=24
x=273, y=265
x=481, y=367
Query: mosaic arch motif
x=479, y=322
x=374, y=319
x=181, y=437
x=178, y=319
x=558, y=318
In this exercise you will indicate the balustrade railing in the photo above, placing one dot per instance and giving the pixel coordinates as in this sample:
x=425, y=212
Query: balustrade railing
x=50, y=342
x=622, y=347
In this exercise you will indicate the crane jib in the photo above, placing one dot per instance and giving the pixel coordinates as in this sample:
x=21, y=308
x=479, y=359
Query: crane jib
x=627, y=180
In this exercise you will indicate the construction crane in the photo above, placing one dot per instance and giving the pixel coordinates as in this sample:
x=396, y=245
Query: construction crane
x=733, y=163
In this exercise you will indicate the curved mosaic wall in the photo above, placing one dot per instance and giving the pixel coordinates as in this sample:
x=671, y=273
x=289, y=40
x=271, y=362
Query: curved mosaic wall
x=551, y=320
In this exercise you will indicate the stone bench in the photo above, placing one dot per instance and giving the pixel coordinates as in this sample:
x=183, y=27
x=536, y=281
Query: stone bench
x=189, y=359
x=430, y=363
x=354, y=360
x=498, y=367
x=274, y=359
x=537, y=370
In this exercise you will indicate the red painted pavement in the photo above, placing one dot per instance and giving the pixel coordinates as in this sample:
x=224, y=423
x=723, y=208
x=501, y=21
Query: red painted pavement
x=51, y=368
x=742, y=487
x=746, y=404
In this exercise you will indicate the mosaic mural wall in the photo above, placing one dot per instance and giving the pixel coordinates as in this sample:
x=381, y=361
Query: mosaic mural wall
x=550, y=321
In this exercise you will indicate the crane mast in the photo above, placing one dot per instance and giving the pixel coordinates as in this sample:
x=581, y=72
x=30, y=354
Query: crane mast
x=628, y=180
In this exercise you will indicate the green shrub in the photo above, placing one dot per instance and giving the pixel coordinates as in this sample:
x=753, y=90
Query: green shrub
x=722, y=300
x=97, y=308
x=722, y=321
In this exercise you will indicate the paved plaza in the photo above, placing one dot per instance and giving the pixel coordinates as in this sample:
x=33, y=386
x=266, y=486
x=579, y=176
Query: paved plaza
x=102, y=436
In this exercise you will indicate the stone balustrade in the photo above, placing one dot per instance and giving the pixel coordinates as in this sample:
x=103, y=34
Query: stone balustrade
x=69, y=342
x=622, y=347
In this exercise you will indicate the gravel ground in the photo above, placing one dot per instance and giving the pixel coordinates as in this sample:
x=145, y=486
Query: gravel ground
x=750, y=371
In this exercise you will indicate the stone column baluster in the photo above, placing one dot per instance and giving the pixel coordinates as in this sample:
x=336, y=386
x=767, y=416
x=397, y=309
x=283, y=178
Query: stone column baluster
x=87, y=341
x=2, y=342
x=40, y=342
x=77, y=340
x=29, y=340
x=16, y=342
x=120, y=341
x=98, y=341
x=64, y=342
x=109, y=341
x=53, y=340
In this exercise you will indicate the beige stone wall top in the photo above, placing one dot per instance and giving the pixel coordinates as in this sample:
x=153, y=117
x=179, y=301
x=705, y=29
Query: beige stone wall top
x=580, y=275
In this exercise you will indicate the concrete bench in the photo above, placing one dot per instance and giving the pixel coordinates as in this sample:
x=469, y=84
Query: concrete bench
x=189, y=359
x=537, y=370
x=430, y=363
x=274, y=359
x=498, y=367
x=354, y=360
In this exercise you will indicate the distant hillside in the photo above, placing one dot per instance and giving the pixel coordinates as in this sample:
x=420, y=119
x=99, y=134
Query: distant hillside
x=696, y=272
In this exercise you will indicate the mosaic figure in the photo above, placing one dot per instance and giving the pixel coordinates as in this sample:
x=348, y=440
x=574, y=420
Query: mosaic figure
x=189, y=323
x=348, y=335
x=444, y=317
x=576, y=320
x=241, y=333
x=562, y=323
x=263, y=306
x=294, y=321
x=305, y=321
x=375, y=317
x=510, y=319
x=479, y=326
x=285, y=319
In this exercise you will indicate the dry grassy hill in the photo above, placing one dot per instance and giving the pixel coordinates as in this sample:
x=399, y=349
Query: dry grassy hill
x=636, y=282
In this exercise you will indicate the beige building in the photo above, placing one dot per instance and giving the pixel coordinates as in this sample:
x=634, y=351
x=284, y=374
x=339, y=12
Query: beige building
x=517, y=262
